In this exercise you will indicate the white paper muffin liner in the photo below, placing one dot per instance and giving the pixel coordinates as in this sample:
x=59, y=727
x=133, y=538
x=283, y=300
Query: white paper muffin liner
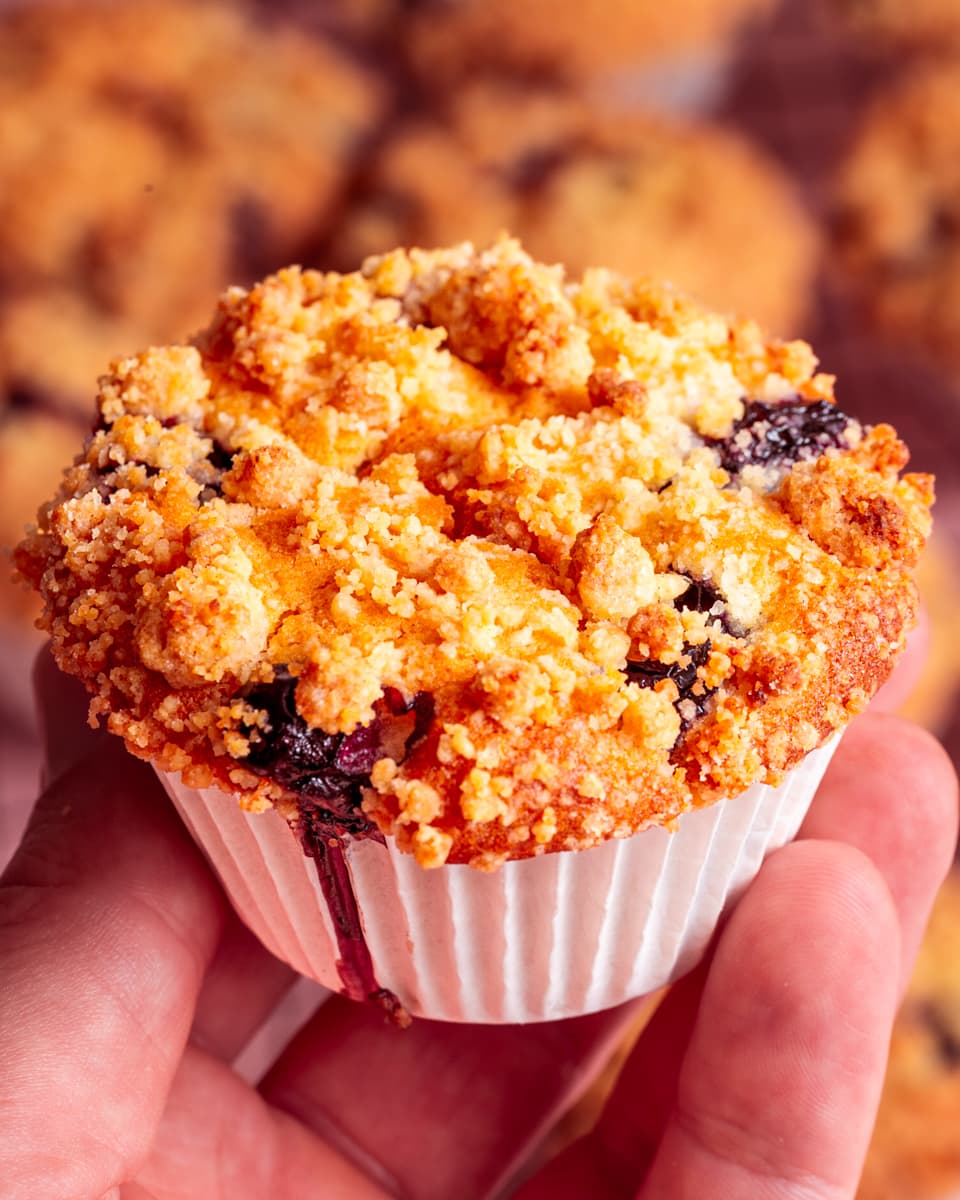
x=540, y=939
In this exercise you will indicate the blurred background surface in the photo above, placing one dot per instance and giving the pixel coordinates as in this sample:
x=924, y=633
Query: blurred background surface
x=798, y=162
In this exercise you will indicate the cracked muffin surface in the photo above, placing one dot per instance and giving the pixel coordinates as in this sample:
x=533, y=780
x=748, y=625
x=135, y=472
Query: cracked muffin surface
x=464, y=552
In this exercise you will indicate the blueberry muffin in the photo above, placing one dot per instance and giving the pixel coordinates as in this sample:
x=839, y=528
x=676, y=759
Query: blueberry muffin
x=461, y=551
x=201, y=146
x=693, y=204
x=450, y=40
x=897, y=213
x=915, y=1154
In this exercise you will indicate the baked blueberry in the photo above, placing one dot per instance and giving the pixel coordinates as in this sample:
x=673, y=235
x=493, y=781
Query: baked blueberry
x=685, y=673
x=781, y=434
x=328, y=771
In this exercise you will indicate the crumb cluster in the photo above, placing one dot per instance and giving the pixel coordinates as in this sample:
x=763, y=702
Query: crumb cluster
x=457, y=486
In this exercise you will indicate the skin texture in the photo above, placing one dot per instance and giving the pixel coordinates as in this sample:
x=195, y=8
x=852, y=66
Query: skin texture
x=125, y=990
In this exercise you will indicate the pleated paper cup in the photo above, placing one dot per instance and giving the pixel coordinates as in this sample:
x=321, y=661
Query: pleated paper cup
x=539, y=939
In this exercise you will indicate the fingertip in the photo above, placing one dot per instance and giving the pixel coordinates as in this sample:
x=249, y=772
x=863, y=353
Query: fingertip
x=889, y=741
x=108, y=919
x=891, y=791
x=785, y=1065
x=816, y=908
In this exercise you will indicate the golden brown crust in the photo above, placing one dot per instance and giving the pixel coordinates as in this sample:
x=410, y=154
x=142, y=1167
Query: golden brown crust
x=456, y=473
x=695, y=205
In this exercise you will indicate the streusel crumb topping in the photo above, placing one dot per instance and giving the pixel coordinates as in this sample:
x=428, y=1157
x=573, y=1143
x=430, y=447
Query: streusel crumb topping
x=472, y=555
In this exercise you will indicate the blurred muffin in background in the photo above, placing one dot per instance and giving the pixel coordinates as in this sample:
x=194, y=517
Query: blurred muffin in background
x=363, y=23
x=933, y=701
x=924, y=24
x=154, y=152
x=34, y=445
x=452, y=40
x=897, y=213
x=915, y=1153
x=54, y=343
x=29, y=440
x=693, y=204
x=151, y=154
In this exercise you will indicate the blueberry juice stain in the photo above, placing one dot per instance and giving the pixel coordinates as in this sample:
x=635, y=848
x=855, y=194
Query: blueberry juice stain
x=328, y=773
x=327, y=847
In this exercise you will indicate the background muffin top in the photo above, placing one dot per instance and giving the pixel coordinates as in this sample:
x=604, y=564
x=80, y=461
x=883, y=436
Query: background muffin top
x=686, y=202
x=191, y=147
x=564, y=39
x=616, y=554
x=898, y=211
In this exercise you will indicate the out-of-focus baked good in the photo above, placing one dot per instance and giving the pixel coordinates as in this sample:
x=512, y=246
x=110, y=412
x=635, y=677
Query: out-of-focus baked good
x=447, y=42
x=897, y=212
x=693, y=204
x=901, y=24
x=153, y=153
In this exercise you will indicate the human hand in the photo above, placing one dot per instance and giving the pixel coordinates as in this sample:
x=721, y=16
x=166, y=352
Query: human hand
x=126, y=990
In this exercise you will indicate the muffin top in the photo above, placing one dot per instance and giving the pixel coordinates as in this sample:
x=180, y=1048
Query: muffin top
x=563, y=39
x=898, y=211
x=155, y=152
x=694, y=204
x=472, y=555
